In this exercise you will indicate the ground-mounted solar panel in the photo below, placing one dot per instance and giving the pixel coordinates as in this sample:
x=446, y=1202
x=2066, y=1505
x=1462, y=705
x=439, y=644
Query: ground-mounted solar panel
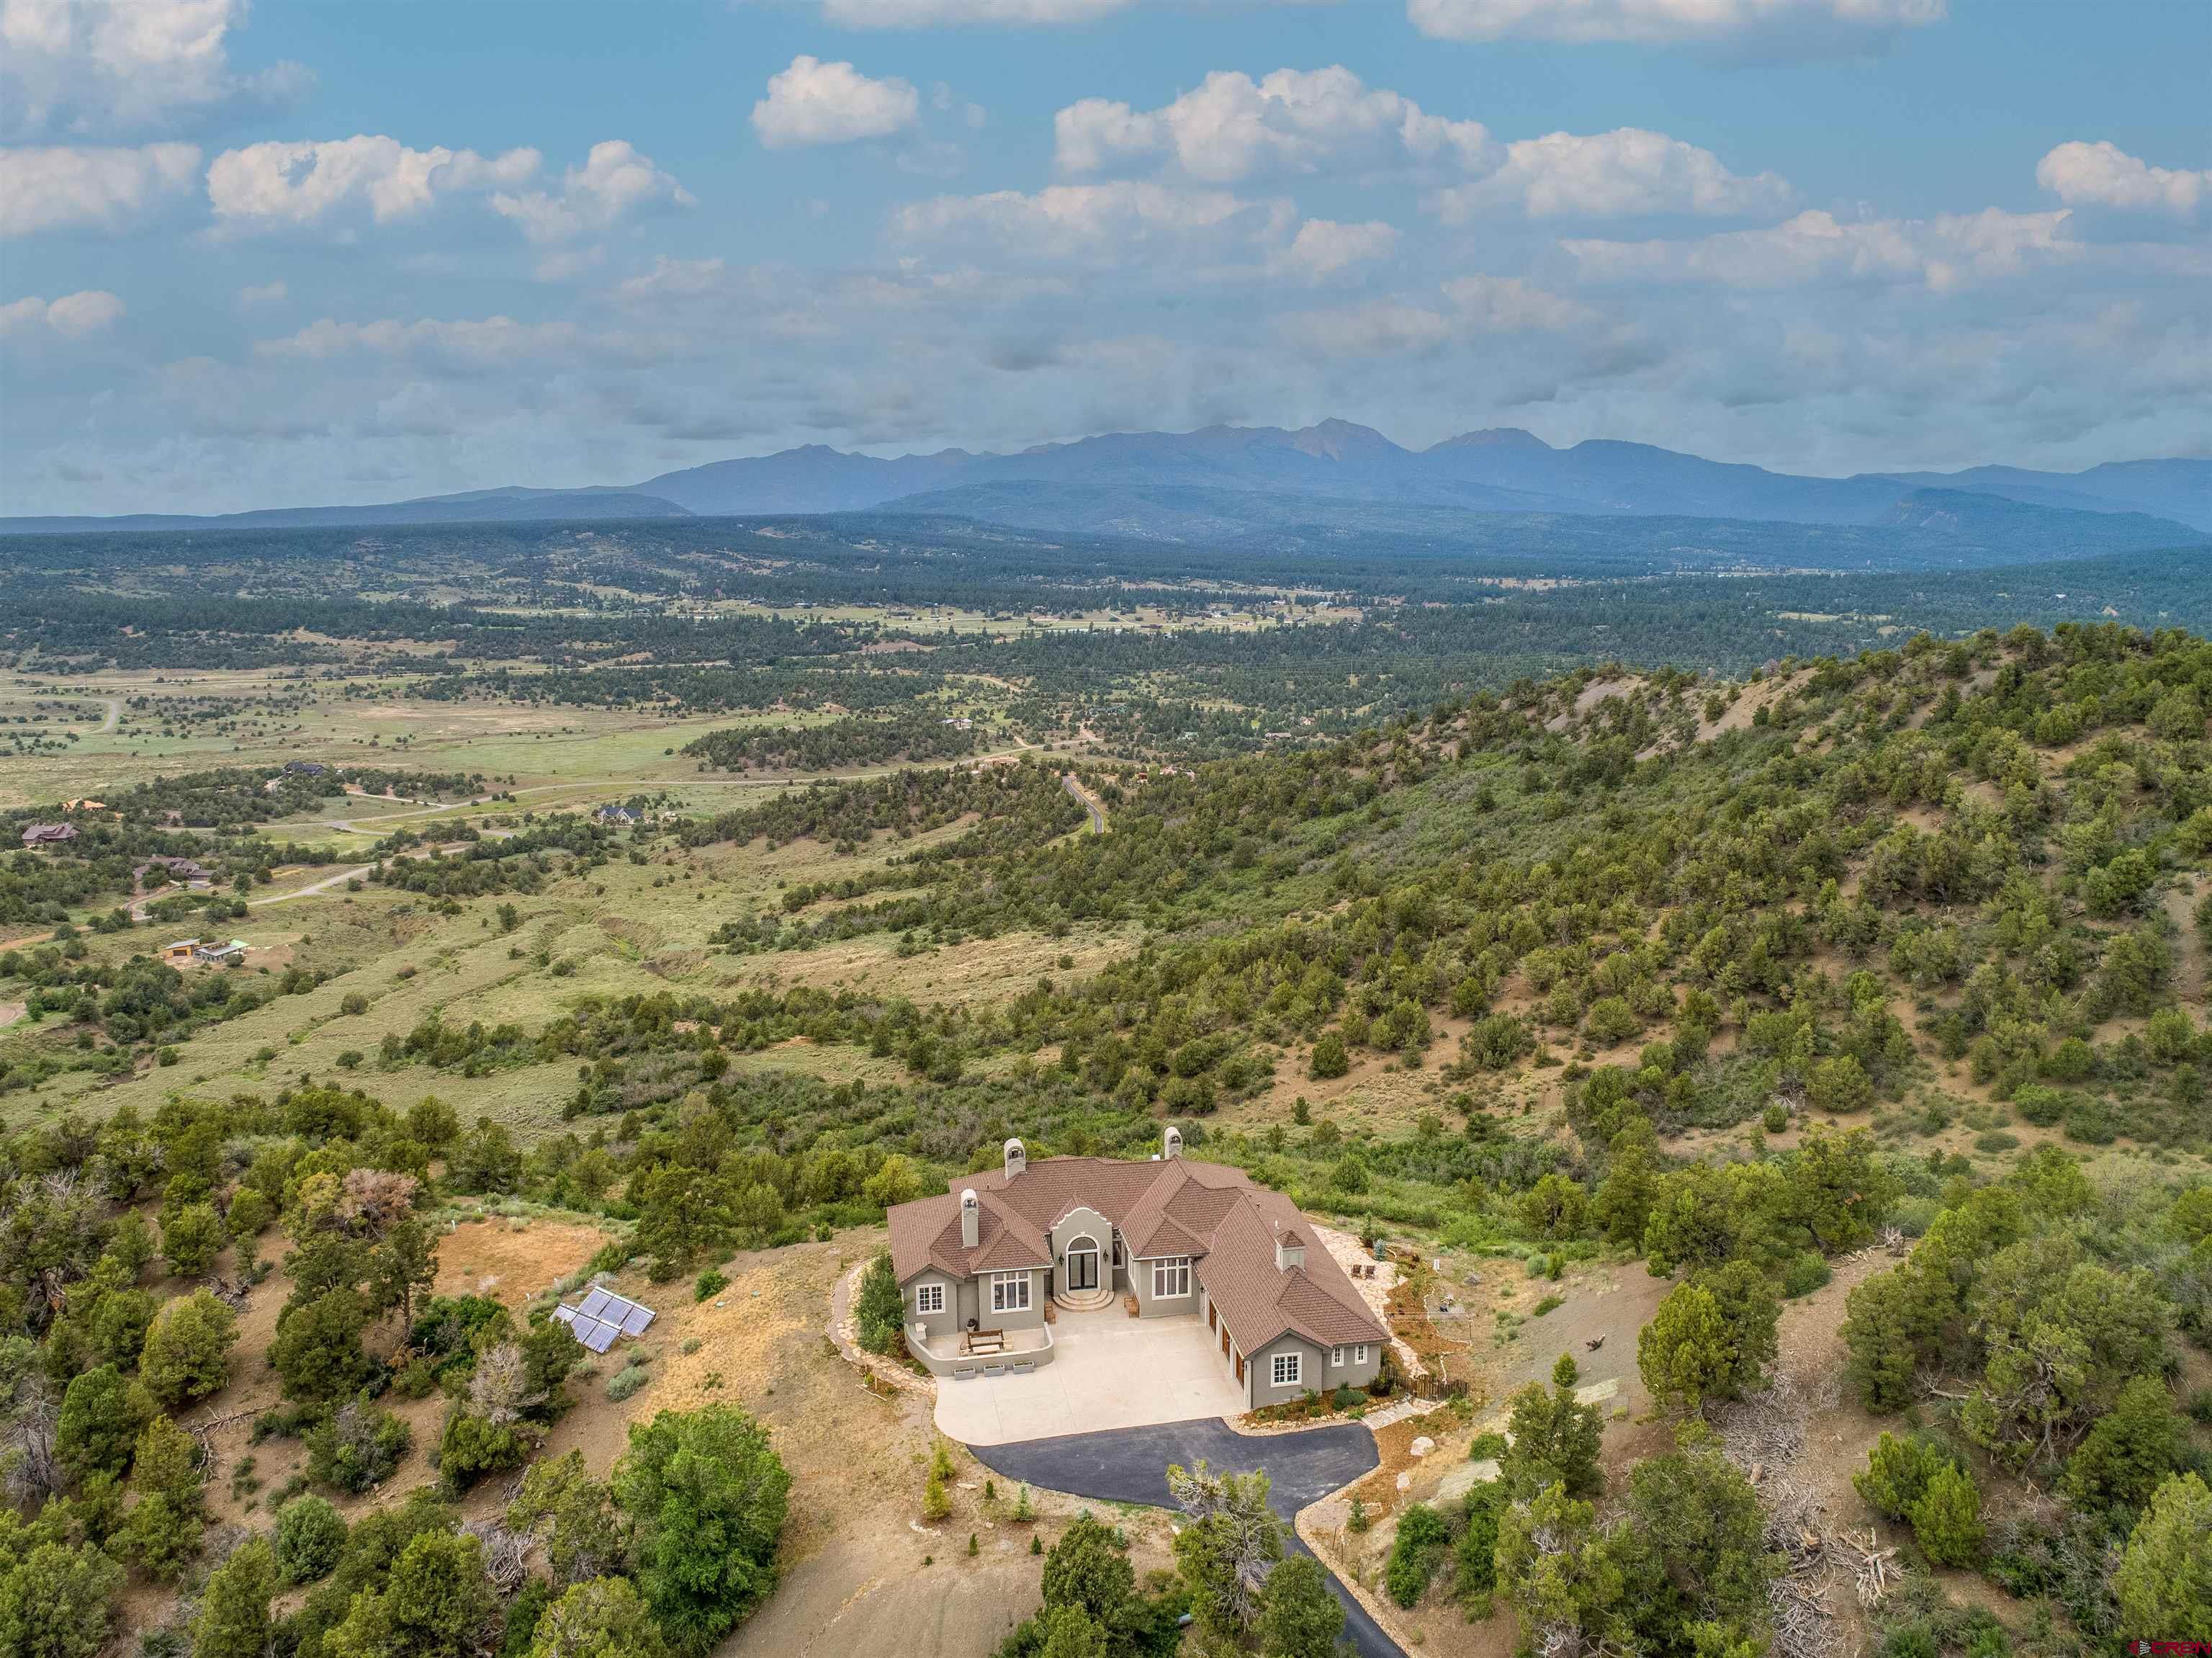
x=602, y=1316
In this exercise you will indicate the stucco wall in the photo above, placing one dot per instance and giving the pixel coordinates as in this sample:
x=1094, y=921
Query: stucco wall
x=1083, y=1222
x=936, y=1324
x=1259, y=1367
x=980, y=1290
x=1351, y=1373
x=1148, y=1306
x=971, y=1298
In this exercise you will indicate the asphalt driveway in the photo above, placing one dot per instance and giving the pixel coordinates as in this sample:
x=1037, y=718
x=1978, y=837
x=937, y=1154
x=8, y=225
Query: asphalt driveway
x=1129, y=1465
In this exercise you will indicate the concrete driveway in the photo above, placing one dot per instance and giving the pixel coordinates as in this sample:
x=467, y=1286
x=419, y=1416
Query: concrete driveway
x=1130, y=1465
x=1108, y=1370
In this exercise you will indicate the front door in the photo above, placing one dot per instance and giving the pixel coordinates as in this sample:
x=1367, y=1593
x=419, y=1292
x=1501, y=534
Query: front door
x=1240, y=1367
x=1082, y=1269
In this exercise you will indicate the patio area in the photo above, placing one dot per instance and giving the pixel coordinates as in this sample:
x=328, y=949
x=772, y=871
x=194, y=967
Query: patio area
x=1108, y=1371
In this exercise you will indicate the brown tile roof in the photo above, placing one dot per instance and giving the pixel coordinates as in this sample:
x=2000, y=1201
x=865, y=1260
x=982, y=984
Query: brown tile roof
x=1177, y=1207
x=927, y=1234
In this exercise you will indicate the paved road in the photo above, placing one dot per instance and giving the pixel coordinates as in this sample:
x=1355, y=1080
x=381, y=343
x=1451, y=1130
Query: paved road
x=1090, y=803
x=1129, y=1465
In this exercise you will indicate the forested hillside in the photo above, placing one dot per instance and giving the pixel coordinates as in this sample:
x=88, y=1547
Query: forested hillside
x=1855, y=996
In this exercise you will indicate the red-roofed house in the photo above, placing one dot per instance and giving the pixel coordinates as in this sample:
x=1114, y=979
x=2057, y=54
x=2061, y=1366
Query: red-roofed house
x=1190, y=1239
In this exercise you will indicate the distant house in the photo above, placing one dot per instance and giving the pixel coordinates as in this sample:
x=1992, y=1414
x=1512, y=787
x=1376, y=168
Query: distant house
x=220, y=956
x=181, y=869
x=49, y=834
x=179, y=954
x=619, y=815
x=306, y=768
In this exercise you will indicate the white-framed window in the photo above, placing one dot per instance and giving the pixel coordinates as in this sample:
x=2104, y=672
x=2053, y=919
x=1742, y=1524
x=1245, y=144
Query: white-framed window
x=929, y=1298
x=1010, y=1292
x=1171, y=1278
x=1288, y=1369
x=1340, y=1356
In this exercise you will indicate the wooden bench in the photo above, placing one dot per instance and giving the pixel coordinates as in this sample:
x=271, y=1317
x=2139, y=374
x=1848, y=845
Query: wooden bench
x=984, y=1341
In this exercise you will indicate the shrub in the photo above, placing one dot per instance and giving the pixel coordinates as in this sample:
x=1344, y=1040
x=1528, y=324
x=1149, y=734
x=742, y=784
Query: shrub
x=1330, y=1058
x=1423, y=1536
x=1948, y=1518
x=880, y=1311
x=709, y=1285
x=709, y=1496
x=1805, y=1273
x=626, y=1380
x=357, y=1448
x=2038, y=1105
x=187, y=1351
x=310, y=1537
x=1897, y=1473
x=472, y=1446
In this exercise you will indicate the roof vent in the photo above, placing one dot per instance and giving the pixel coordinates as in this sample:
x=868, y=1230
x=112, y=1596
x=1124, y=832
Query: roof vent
x=971, y=1220
x=1290, y=1251
x=1017, y=1159
x=1171, y=1142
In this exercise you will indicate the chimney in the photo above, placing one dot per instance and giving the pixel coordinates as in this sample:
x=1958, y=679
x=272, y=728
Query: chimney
x=971, y=1221
x=1290, y=1251
x=1017, y=1159
x=1171, y=1142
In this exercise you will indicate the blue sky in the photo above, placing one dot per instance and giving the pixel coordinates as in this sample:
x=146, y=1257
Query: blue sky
x=359, y=251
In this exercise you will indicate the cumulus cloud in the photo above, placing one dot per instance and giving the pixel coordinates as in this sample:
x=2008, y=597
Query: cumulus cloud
x=1464, y=307
x=615, y=182
x=674, y=279
x=306, y=182
x=73, y=316
x=480, y=342
x=1094, y=219
x=1946, y=252
x=1662, y=19
x=1230, y=127
x=925, y=14
x=813, y=102
x=2102, y=175
x=62, y=188
x=1610, y=175
x=75, y=64
x=1322, y=247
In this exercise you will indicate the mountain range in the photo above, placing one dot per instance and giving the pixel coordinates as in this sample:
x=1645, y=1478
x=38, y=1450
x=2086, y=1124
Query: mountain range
x=1334, y=478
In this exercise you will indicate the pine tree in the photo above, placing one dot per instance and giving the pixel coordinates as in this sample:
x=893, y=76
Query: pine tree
x=233, y=1620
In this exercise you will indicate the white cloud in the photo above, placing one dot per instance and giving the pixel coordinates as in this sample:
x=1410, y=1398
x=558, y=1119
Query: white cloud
x=1945, y=253
x=1471, y=306
x=61, y=188
x=2102, y=175
x=1293, y=120
x=1609, y=175
x=1083, y=218
x=1322, y=247
x=615, y=182
x=304, y=182
x=78, y=64
x=1587, y=21
x=482, y=342
x=817, y=103
x=925, y=13
x=267, y=293
x=674, y=279
x=73, y=316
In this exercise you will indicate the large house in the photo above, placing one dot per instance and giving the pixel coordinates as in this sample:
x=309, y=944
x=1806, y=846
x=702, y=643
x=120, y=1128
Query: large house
x=1194, y=1239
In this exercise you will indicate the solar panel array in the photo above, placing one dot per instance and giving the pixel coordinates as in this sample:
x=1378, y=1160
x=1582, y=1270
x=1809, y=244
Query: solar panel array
x=602, y=1316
